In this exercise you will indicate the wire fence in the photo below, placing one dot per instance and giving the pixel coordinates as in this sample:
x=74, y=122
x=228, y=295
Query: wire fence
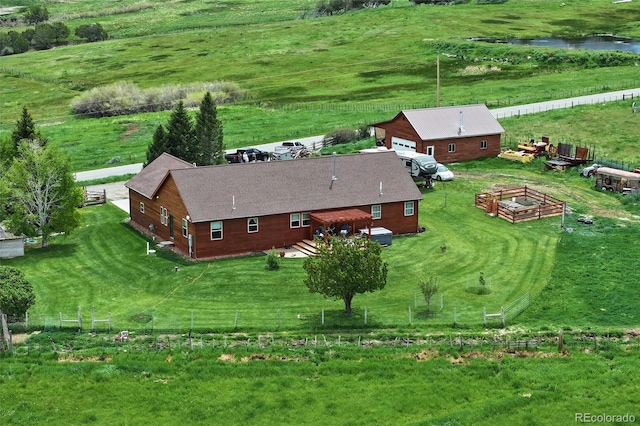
x=422, y=344
x=441, y=313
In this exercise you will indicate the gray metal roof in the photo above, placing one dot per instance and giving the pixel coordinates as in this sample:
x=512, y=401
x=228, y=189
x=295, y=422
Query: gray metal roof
x=149, y=179
x=301, y=185
x=444, y=122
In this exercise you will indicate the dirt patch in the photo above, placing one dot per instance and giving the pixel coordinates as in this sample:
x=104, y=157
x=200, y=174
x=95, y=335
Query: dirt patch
x=131, y=128
x=80, y=358
x=227, y=357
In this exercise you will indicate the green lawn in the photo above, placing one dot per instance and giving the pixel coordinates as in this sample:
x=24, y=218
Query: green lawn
x=104, y=264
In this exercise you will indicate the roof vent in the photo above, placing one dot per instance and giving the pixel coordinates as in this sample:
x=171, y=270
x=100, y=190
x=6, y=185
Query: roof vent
x=461, y=128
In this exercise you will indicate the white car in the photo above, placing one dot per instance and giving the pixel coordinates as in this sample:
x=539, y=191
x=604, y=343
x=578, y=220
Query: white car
x=443, y=174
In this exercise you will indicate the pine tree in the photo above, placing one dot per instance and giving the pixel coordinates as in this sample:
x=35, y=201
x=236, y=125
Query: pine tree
x=180, y=140
x=158, y=145
x=26, y=129
x=208, y=133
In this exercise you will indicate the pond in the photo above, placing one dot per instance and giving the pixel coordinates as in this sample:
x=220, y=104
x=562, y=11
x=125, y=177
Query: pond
x=596, y=42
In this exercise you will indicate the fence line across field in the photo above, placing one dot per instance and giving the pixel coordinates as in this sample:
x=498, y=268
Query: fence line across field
x=275, y=320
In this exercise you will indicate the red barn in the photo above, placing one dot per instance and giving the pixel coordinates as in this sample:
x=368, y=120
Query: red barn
x=235, y=209
x=450, y=134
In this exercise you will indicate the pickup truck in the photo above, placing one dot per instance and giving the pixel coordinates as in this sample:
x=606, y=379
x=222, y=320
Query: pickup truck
x=294, y=146
x=253, y=154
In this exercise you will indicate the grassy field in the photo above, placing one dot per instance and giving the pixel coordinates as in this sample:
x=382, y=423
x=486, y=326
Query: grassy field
x=307, y=77
x=428, y=385
x=304, y=76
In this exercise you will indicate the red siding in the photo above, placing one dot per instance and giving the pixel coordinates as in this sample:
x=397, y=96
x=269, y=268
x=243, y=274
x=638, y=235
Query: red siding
x=468, y=148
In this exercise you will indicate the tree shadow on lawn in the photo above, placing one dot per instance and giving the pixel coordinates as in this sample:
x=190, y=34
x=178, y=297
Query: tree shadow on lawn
x=53, y=250
x=338, y=319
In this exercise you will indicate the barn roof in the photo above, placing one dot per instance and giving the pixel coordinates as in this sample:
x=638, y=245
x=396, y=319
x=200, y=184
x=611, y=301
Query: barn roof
x=151, y=177
x=301, y=185
x=444, y=122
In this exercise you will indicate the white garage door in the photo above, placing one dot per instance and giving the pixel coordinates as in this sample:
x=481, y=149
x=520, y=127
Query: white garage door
x=402, y=144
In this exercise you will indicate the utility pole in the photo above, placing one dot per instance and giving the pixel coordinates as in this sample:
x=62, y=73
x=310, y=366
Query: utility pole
x=438, y=80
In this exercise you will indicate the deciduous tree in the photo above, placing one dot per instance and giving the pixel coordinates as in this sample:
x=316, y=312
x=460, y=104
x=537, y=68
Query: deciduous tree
x=429, y=288
x=16, y=296
x=36, y=14
x=345, y=267
x=39, y=193
x=91, y=32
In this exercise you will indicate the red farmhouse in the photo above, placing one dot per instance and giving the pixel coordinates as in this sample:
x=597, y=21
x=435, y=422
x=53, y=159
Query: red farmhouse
x=236, y=209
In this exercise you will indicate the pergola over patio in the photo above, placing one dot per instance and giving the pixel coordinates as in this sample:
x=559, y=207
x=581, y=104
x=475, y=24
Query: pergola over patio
x=351, y=217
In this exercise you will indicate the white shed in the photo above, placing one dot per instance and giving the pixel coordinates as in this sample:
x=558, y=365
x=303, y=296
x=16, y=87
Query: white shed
x=10, y=245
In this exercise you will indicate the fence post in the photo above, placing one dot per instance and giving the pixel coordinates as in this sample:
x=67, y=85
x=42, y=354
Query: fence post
x=79, y=319
x=502, y=315
x=455, y=320
x=484, y=316
x=365, y=316
x=322, y=316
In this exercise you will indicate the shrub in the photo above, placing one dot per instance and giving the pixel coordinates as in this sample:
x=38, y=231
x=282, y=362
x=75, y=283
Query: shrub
x=91, y=32
x=124, y=98
x=343, y=135
x=36, y=14
x=273, y=260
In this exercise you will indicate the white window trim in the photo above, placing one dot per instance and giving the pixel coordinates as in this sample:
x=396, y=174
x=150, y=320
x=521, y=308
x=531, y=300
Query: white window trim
x=141, y=207
x=412, y=208
x=305, y=220
x=450, y=146
x=484, y=144
x=249, y=225
x=291, y=220
x=377, y=215
x=185, y=228
x=164, y=216
x=211, y=230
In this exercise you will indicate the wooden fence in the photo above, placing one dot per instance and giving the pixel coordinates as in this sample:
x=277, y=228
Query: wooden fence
x=519, y=204
x=94, y=197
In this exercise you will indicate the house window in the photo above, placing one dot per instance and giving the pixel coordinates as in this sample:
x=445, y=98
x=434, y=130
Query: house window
x=483, y=144
x=376, y=211
x=430, y=150
x=295, y=220
x=164, y=216
x=141, y=207
x=408, y=208
x=452, y=147
x=185, y=228
x=216, y=230
x=252, y=224
x=306, y=221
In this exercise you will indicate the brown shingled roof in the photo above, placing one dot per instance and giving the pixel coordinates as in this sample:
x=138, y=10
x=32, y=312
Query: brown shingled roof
x=151, y=177
x=275, y=187
x=444, y=122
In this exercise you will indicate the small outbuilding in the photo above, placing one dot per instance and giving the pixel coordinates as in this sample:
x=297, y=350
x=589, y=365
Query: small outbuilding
x=450, y=134
x=10, y=245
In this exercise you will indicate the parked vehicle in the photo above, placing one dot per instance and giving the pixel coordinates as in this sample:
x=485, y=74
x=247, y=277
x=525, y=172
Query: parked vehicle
x=443, y=173
x=608, y=179
x=253, y=154
x=294, y=146
x=421, y=167
x=590, y=170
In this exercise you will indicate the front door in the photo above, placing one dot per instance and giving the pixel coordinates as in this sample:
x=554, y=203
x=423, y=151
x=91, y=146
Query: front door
x=171, y=226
